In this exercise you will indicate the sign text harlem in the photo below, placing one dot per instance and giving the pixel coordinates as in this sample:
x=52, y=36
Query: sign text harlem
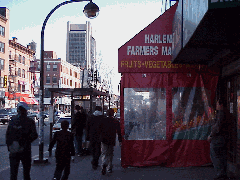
x=153, y=50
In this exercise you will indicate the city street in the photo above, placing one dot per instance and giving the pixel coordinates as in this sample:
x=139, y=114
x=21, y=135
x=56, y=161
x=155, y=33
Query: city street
x=4, y=160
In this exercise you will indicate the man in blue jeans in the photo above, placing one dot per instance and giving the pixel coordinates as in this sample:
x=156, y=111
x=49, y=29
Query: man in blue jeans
x=218, y=143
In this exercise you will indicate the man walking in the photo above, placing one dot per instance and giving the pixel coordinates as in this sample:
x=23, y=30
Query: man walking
x=78, y=125
x=218, y=143
x=64, y=151
x=21, y=132
x=110, y=127
x=93, y=135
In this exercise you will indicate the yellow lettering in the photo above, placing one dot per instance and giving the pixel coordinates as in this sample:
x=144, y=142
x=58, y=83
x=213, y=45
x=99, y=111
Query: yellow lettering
x=150, y=64
x=169, y=64
x=135, y=63
x=158, y=64
x=139, y=64
x=165, y=64
x=122, y=63
x=146, y=64
x=154, y=64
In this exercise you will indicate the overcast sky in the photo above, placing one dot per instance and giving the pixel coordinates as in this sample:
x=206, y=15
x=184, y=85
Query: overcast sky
x=117, y=23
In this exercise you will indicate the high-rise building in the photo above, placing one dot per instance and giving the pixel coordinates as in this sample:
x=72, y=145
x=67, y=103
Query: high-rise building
x=81, y=46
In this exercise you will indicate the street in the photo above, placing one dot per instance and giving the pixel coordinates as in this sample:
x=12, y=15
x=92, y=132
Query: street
x=4, y=160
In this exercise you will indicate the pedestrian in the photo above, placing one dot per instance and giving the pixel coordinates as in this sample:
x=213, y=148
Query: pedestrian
x=109, y=128
x=218, y=142
x=21, y=132
x=78, y=125
x=93, y=135
x=64, y=151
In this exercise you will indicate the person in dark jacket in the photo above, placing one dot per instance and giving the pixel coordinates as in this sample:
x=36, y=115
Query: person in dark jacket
x=64, y=151
x=21, y=132
x=78, y=125
x=218, y=143
x=109, y=128
x=93, y=135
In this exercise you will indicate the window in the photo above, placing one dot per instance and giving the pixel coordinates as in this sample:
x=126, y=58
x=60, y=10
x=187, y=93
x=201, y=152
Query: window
x=145, y=113
x=54, y=79
x=54, y=67
x=19, y=58
x=48, y=67
x=2, y=31
x=70, y=82
x=2, y=47
x=48, y=80
x=23, y=60
x=38, y=67
x=19, y=72
x=23, y=88
x=1, y=64
x=70, y=72
x=23, y=73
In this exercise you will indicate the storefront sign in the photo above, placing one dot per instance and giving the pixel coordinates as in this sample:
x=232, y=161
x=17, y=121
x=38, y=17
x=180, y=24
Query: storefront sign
x=5, y=81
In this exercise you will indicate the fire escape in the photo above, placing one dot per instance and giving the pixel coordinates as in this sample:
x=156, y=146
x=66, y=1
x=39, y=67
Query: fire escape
x=12, y=86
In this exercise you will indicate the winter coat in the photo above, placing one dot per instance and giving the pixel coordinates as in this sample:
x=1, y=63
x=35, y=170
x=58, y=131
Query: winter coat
x=23, y=130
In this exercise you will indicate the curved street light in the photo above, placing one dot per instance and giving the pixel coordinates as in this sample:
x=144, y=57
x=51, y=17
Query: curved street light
x=91, y=10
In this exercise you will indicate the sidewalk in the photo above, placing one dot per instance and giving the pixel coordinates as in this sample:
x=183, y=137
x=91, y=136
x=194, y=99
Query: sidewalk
x=81, y=169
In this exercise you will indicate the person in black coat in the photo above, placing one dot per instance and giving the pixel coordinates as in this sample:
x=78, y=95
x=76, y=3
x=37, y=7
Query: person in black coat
x=93, y=135
x=109, y=128
x=64, y=151
x=21, y=132
x=78, y=125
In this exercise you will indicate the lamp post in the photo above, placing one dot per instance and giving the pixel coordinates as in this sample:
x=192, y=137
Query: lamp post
x=91, y=10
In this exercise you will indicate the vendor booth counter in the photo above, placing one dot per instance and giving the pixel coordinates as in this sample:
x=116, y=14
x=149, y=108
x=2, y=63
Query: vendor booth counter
x=166, y=109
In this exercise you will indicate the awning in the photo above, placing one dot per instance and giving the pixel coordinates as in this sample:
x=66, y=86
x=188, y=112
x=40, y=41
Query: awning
x=29, y=100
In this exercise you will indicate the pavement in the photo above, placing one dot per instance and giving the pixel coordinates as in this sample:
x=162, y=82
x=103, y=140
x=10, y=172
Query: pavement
x=81, y=169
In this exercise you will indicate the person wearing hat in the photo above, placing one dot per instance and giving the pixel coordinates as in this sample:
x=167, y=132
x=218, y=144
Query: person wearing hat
x=21, y=132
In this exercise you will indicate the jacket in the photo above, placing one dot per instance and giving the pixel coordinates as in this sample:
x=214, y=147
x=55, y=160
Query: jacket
x=93, y=126
x=23, y=130
x=65, y=147
x=79, y=122
x=109, y=128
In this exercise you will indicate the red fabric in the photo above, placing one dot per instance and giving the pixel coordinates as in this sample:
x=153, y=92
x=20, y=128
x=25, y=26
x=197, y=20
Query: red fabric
x=169, y=152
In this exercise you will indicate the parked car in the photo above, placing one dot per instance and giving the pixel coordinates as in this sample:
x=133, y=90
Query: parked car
x=6, y=114
x=57, y=125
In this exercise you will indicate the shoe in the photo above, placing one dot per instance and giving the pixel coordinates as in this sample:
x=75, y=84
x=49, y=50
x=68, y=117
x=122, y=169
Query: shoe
x=109, y=170
x=104, y=170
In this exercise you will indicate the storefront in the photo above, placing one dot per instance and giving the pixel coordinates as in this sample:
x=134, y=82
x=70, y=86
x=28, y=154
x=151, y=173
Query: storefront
x=205, y=32
x=166, y=109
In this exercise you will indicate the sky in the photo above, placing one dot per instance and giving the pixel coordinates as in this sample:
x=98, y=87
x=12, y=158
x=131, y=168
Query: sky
x=117, y=22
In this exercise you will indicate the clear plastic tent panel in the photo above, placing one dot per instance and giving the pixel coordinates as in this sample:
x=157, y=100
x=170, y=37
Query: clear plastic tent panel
x=145, y=113
x=192, y=113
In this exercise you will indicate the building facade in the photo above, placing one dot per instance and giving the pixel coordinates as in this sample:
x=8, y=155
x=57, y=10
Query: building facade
x=81, y=47
x=20, y=78
x=58, y=73
x=4, y=36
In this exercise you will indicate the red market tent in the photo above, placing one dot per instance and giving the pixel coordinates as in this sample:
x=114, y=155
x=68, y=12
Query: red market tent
x=165, y=108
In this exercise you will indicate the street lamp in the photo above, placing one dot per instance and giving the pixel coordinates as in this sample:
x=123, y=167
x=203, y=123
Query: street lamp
x=91, y=10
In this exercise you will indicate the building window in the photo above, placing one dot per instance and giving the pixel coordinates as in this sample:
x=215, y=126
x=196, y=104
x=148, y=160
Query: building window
x=38, y=67
x=19, y=87
x=23, y=73
x=75, y=74
x=23, y=88
x=70, y=72
x=70, y=82
x=1, y=64
x=48, y=67
x=2, y=31
x=2, y=47
x=54, y=67
x=48, y=80
x=54, y=79
x=10, y=54
x=19, y=72
x=23, y=60
x=20, y=58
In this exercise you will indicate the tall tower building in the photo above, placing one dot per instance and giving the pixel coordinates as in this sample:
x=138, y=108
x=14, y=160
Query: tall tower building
x=81, y=46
